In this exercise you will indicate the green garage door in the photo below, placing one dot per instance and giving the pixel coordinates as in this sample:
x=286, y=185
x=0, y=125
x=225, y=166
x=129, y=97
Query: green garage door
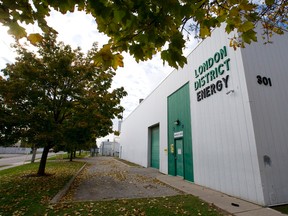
x=155, y=147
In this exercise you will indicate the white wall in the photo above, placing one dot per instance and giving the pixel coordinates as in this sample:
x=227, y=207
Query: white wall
x=269, y=106
x=109, y=148
x=152, y=111
x=134, y=135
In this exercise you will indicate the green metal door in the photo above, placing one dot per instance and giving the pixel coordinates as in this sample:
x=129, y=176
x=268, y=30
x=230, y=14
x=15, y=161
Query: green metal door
x=179, y=127
x=155, y=147
x=179, y=157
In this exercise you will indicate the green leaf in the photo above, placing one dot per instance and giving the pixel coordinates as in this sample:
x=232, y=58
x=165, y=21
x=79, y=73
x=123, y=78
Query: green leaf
x=118, y=15
x=68, y=5
x=177, y=40
x=149, y=24
x=200, y=14
x=229, y=26
x=3, y=14
x=246, y=6
x=16, y=30
x=246, y=26
x=222, y=18
x=269, y=2
x=248, y=36
x=233, y=12
x=137, y=51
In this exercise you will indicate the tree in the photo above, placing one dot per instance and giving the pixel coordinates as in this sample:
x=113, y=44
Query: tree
x=7, y=122
x=55, y=93
x=79, y=129
x=142, y=28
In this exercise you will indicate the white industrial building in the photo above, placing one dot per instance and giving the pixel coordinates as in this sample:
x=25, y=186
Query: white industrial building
x=221, y=121
x=108, y=148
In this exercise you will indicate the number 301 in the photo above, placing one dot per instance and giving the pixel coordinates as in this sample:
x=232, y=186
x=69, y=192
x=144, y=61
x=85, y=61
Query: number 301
x=264, y=80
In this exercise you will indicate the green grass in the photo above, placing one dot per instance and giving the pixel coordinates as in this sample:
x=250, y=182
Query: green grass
x=282, y=208
x=65, y=156
x=22, y=193
x=3, y=166
x=59, y=157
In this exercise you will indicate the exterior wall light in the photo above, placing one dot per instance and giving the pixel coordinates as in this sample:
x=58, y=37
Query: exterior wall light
x=177, y=122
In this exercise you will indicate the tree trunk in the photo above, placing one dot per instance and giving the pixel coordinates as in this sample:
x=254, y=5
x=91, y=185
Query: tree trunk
x=41, y=169
x=80, y=152
x=71, y=155
x=74, y=156
x=34, y=151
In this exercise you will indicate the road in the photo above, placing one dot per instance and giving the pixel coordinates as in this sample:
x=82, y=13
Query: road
x=11, y=160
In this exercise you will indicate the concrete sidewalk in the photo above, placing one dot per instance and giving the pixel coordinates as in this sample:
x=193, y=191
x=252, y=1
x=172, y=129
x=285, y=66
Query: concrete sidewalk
x=229, y=204
x=12, y=160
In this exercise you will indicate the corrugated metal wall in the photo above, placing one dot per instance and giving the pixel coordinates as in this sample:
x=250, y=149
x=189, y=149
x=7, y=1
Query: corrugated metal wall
x=152, y=111
x=225, y=156
x=269, y=106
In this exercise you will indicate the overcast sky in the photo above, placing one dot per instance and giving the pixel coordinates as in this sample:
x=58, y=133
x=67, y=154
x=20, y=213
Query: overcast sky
x=79, y=29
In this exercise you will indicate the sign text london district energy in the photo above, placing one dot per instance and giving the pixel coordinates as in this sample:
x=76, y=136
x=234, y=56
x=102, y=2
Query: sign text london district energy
x=210, y=70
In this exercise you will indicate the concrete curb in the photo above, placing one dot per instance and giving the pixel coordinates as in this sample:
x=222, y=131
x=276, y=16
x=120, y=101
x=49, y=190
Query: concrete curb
x=64, y=190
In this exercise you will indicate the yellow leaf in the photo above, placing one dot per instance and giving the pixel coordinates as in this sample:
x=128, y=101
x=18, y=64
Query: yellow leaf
x=106, y=48
x=117, y=61
x=204, y=32
x=104, y=57
x=106, y=53
x=34, y=38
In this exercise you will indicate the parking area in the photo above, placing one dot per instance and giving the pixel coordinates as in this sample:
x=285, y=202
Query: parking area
x=105, y=178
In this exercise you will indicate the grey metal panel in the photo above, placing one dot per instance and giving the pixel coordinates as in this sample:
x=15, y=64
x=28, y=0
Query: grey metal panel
x=225, y=156
x=269, y=107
